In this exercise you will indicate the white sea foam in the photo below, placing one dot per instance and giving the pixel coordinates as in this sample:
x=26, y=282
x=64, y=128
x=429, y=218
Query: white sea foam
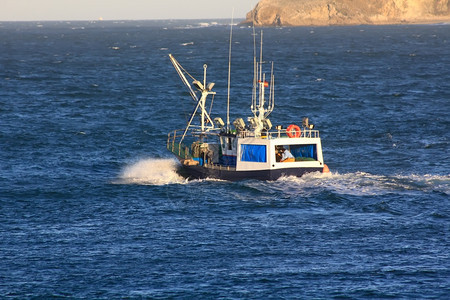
x=151, y=171
x=199, y=25
x=362, y=183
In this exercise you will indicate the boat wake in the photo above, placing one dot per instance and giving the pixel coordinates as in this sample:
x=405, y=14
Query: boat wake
x=151, y=171
x=365, y=184
x=154, y=171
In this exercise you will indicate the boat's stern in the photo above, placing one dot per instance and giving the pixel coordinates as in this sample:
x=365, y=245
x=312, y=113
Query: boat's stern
x=281, y=154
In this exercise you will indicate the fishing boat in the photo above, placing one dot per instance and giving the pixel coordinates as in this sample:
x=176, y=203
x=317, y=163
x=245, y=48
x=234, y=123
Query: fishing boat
x=243, y=149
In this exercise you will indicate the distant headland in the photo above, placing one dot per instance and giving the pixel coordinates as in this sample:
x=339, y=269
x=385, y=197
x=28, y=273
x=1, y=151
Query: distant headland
x=348, y=12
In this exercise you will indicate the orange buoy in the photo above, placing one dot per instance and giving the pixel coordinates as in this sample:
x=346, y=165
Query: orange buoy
x=293, y=131
x=325, y=169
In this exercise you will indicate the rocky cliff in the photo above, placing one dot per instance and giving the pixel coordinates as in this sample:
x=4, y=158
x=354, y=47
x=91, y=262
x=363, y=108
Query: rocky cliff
x=347, y=12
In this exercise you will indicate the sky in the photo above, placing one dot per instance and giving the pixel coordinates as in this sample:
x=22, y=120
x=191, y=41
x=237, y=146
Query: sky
x=62, y=10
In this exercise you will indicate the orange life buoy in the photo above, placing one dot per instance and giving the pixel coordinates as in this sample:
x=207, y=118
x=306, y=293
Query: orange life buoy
x=293, y=131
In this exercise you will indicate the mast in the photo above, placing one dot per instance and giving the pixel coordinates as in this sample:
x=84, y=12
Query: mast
x=229, y=73
x=203, y=99
x=258, y=101
x=260, y=80
x=255, y=72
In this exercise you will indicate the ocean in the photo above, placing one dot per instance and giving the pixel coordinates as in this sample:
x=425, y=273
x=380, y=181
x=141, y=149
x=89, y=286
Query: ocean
x=92, y=206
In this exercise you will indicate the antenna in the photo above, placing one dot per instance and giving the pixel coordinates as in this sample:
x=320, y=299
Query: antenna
x=255, y=71
x=271, y=103
x=261, y=80
x=260, y=57
x=229, y=72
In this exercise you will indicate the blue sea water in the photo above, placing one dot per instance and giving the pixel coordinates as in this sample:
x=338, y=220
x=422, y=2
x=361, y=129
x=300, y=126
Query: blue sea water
x=91, y=205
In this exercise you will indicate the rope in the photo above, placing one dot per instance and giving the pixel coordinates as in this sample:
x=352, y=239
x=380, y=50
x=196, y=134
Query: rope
x=184, y=70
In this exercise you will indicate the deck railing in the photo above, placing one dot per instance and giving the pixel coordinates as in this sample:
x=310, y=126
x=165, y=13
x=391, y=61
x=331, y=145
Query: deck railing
x=175, y=146
x=282, y=133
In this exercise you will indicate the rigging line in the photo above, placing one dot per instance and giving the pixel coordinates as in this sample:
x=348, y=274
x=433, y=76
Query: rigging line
x=229, y=72
x=184, y=70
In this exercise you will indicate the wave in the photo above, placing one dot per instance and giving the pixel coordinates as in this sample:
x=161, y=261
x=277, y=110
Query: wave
x=151, y=171
x=199, y=25
x=363, y=184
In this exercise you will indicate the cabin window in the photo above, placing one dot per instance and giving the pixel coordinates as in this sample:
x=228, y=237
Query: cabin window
x=253, y=153
x=299, y=152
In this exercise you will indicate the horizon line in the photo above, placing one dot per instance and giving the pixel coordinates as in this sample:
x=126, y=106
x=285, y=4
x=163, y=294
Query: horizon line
x=116, y=20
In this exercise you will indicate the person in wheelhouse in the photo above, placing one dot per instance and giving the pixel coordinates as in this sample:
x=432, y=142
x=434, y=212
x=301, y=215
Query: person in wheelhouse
x=284, y=155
